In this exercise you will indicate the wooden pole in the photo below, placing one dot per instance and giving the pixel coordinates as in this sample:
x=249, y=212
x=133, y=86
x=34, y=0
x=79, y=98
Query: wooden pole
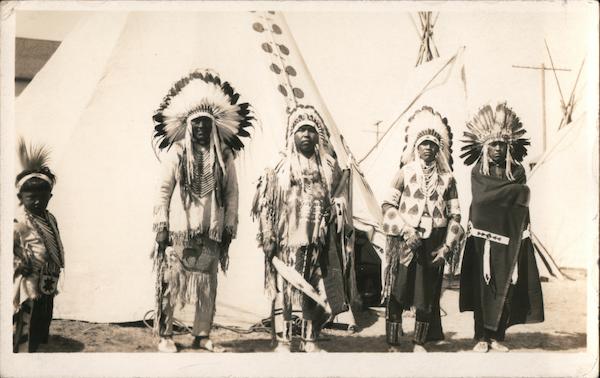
x=544, y=131
x=377, y=131
x=542, y=67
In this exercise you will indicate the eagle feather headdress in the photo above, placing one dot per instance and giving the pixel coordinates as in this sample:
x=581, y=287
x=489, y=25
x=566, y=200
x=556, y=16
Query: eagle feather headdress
x=202, y=93
x=427, y=124
x=490, y=125
x=34, y=164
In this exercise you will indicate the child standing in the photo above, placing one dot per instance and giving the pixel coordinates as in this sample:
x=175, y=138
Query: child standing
x=38, y=252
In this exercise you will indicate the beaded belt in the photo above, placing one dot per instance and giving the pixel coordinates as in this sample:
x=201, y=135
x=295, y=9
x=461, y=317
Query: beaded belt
x=496, y=238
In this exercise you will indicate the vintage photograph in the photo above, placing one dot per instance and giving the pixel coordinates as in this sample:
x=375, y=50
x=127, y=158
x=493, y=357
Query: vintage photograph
x=390, y=180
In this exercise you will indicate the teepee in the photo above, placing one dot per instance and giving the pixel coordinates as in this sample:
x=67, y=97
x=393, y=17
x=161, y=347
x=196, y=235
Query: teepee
x=564, y=200
x=92, y=104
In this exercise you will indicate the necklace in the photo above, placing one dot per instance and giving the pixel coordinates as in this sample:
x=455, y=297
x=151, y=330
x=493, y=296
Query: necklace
x=38, y=230
x=428, y=178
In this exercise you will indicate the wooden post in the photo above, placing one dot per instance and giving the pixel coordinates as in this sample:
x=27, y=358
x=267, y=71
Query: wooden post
x=377, y=131
x=544, y=131
x=543, y=68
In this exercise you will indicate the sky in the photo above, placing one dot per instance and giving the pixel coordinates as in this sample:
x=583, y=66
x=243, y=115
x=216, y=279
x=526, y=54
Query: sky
x=361, y=58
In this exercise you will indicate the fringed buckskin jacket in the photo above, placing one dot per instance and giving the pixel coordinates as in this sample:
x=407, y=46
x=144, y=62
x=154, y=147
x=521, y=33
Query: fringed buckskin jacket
x=208, y=216
x=296, y=212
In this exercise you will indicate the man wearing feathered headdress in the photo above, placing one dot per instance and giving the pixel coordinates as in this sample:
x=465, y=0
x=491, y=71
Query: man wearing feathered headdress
x=38, y=252
x=499, y=279
x=422, y=221
x=199, y=124
x=297, y=205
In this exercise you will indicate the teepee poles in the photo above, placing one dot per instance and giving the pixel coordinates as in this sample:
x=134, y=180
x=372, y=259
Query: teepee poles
x=542, y=67
x=567, y=109
x=427, y=50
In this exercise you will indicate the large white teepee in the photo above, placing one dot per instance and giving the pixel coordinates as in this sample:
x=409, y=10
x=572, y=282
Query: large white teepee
x=93, y=104
x=564, y=199
x=440, y=84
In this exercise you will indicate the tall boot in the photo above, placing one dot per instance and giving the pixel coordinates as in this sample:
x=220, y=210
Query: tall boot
x=393, y=332
x=285, y=342
x=420, y=336
x=309, y=337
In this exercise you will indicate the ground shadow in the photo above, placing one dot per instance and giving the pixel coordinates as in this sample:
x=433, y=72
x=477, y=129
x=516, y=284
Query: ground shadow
x=247, y=345
x=355, y=344
x=60, y=344
x=366, y=318
x=518, y=341
x=525, y=340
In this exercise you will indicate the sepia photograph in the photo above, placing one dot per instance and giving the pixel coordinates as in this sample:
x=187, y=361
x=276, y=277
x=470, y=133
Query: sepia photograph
x=224, y=188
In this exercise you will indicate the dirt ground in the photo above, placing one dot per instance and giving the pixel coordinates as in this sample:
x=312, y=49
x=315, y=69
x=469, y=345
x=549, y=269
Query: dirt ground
x=563, y=330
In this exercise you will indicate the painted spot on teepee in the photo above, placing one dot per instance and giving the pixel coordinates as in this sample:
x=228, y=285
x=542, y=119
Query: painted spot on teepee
x=276, y=29
x=290, y=71
x=298, y=92
x=418, y=194
x=282, y=90
x=403, y=207
x=258, y=27
x=434, y=196
x=267, y=47
x=271, y=12
x=413, y=178
x=454, y=229
x=275, y=68
x=406, y=191
x=284, y=50
x=437, y=213
x=413, y=210
x=395, y=229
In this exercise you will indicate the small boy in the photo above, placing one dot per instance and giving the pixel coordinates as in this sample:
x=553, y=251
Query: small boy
x=38, y=252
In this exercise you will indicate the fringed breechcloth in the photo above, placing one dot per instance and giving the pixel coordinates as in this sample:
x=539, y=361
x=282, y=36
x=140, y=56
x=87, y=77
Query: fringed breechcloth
x=305, y=261
x=190, y=277
x=417, y=285
x=31, y=324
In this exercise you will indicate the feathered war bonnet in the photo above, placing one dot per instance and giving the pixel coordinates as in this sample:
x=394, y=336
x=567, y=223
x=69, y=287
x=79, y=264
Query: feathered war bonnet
x=35, y=173
x=202, y=93
x=489, y=126
x=427, y=124
x=307, y=115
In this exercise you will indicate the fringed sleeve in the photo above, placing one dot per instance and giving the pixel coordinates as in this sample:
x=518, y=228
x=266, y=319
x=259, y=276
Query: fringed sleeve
x=231, y=199
x=393, y=224
x=266, y=208
x=166, y=185
x=451, y=199
x=392, y=197
x=19, y=255
x=455, y=231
